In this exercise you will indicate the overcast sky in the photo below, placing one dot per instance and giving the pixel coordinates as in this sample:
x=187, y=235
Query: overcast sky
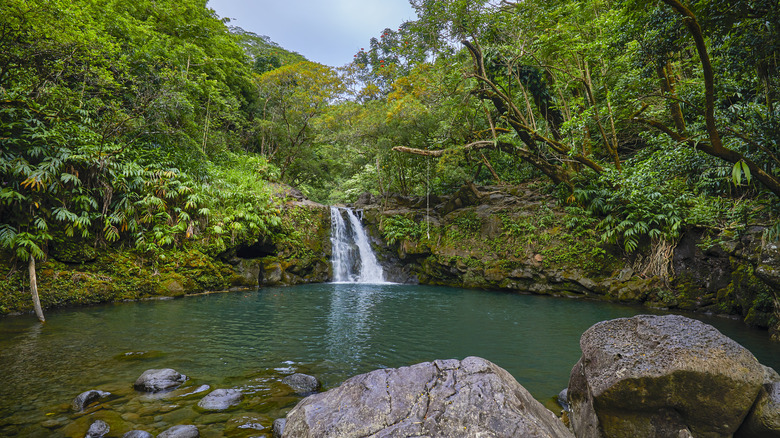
x=326, y=31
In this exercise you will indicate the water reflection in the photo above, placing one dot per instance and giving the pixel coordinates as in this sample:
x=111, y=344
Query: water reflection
x=251, y=340
x=350, y=321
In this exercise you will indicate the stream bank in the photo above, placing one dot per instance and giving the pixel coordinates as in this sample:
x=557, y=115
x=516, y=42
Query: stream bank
x=518, y=239
x=512, y=238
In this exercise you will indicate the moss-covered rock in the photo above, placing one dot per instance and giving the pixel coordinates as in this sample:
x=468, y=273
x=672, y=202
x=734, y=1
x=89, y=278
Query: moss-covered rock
x=517, y=239
x=661, y=376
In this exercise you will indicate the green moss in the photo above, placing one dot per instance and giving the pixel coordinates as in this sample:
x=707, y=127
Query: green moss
x=748, y=296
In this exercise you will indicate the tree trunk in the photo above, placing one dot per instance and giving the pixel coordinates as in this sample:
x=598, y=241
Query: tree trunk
x=34, y=290
x=715, y=145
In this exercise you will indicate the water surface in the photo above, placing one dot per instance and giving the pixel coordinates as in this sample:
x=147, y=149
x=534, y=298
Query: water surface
x=251, y=340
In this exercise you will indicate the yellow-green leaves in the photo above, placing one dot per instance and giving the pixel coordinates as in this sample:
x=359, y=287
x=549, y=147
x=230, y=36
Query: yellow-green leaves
x=740, y=168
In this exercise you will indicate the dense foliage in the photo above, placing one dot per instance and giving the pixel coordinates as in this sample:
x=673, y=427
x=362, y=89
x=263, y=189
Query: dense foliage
x=151, y=124
x=120, y=123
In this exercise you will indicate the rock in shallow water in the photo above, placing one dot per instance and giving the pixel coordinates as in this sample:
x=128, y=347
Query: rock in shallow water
x=159, y=380
x=98, y=429
x=220, y=399
x=86, y=398
x=661, y=376
x=444, y=398
x=137, y=434
x=302, y=383
x=181, y=431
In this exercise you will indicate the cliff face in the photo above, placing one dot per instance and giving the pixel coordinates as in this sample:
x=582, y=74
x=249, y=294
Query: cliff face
x=518, y=239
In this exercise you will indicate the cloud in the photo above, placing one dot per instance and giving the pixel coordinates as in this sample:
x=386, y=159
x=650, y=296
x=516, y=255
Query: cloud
x=329, y=32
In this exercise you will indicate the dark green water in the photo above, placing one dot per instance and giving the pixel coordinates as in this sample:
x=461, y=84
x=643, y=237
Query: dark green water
x=251, y=340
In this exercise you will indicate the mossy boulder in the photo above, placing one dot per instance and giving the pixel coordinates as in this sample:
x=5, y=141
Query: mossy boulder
x=661, y=376
x=444, y=398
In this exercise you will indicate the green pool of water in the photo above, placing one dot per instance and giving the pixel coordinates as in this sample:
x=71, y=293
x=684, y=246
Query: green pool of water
x=251, y=340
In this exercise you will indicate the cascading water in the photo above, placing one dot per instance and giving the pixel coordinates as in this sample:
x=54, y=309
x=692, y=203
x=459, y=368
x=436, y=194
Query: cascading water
x=353, y=260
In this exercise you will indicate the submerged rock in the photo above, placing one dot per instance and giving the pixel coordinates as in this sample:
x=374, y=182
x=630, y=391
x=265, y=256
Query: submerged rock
x=444, y=398
x=302, y=383
x=181, y=431
x=661, y=376
x=137, y=434
x=98, y=429
x=220, y=399
x=86, y=398
x=156, y=380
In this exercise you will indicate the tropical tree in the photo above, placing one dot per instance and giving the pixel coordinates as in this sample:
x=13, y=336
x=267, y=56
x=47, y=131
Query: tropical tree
x=292, y=97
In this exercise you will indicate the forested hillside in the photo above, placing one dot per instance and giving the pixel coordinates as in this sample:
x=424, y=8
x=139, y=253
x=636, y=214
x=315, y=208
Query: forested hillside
x=150, y=125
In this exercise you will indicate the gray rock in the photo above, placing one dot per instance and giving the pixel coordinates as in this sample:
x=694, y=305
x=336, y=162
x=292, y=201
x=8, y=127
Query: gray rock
x=302, y=383
x=220, y=399
x=86, y=398
x=159, y=380
x=764, y=419
x=98, y=429
x=137, y=434
x=278, y=427
x=181, y=431
x=448, y=398
x=768, y=268
x=661, y=376
x=563, y=399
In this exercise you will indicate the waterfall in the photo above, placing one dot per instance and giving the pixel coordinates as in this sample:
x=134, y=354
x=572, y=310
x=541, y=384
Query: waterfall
x=353, y=259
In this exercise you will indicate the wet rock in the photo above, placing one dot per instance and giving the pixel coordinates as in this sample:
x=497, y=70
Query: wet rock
x=764, y=419
x=180, y=431
x=661, y=376
x=278, y=427
x=156, y=380
x=86, y=398
x=98, y=429
x=302, y=383
x=563, y=399
x=51, y=424
x=137, y=434
x=220, y=399
x=472, y=397
x=244, y=424
x=188, y=392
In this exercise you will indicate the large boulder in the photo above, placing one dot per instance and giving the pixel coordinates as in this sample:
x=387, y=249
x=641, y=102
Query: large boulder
x=661, y=376
x=444, y=398
x=159, y=380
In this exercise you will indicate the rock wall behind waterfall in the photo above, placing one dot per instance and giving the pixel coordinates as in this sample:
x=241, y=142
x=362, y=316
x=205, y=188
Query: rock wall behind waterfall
x=514, y=238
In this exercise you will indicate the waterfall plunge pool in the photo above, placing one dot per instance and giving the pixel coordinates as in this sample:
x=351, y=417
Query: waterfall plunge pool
x=251, y=340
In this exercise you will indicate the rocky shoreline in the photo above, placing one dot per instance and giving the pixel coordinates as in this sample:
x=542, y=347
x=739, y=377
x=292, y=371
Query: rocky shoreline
x=645, y=376
x=514, y=239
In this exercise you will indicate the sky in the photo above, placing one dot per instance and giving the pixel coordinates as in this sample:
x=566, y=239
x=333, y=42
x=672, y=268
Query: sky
x=330, y=32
